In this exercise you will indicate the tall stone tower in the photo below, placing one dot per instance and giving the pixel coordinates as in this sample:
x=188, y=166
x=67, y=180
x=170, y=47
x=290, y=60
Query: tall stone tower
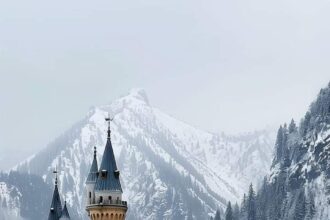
x=104, y=192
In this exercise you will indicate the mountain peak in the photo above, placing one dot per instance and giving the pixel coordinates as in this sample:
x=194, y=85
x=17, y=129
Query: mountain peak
x=139, y=94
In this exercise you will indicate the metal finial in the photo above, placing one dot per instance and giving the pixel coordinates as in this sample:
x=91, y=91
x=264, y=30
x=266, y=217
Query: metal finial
x=94, y=151
x=109, y=119
x=55, y=172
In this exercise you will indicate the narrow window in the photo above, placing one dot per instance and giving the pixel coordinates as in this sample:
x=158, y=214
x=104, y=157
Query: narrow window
x=104, y=174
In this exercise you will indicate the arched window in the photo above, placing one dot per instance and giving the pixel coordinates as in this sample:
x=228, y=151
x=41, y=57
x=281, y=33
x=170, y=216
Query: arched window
x=101, y=199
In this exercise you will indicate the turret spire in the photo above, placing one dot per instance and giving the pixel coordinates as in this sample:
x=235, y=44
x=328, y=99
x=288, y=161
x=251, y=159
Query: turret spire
x=55, y=172
x=93, y=172
x=56, y=212
x=104, y=192
x=65, y=214
x=108, y=119
x=108, y=178
x=56, y=206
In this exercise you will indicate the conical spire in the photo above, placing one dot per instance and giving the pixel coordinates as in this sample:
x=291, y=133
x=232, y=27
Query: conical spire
x=108, y=178
x=93, y=172
x=65, y=213
x=56, y=206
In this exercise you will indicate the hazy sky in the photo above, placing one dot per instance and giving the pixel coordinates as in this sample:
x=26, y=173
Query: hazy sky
x=221, y=65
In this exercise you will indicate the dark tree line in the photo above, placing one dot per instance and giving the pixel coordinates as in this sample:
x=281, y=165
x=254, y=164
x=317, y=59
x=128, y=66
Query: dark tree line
x=34, y=194
x=269, y=204
x=282, y=197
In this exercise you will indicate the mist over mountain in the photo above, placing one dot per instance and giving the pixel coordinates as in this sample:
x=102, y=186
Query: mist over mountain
x=170, y=170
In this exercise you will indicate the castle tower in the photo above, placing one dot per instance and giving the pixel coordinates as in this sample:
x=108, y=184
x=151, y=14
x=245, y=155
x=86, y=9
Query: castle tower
x=91, y=180
x=104, y=192
x=56, y=212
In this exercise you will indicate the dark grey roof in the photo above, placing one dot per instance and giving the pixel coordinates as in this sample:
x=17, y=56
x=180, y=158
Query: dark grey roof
x=52, y=216
x=65, y=214
x=93, y=173
x=108, y=164
x=56, y=206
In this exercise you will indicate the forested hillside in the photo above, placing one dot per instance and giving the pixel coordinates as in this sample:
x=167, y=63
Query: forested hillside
x=298, y=187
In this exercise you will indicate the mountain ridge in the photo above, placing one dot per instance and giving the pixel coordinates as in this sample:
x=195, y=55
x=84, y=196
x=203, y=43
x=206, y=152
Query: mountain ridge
x=177, y=170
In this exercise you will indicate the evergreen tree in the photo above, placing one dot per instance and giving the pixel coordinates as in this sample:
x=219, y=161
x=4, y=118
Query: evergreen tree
x=243, y=213
x=310, y=208
x=243, y=204
x=274, y=209
x=305, y=123
x=292, y=127
x=217, y=215
x=262, y=201
x=286, y=158
x=251, y=204
x=236, y=212
x=278, y=146
x=300, y=206
x=229, y=212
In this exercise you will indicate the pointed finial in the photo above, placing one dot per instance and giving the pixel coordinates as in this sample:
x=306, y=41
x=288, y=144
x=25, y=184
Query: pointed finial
x=94, y=151
x=55, y=172
x=108, y=119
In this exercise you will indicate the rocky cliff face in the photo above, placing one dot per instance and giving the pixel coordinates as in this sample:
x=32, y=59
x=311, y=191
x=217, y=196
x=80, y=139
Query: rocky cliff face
x=299, y=184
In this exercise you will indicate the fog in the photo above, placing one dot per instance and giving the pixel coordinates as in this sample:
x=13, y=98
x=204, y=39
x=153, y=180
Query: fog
x=231, y=66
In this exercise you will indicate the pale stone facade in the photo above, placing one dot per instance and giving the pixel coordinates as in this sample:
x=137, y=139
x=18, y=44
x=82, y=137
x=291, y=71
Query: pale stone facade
x=107, y=213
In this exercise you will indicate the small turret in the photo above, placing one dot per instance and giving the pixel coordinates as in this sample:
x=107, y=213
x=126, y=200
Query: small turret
x=56, y=206
x=56, y=212
x=93, y=172
x=65, y=213
x=91, y=180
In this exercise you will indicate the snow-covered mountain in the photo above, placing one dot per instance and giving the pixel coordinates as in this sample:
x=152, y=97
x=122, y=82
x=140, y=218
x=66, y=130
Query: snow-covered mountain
x=170, y=170
x=299, y=184
x=303, y=159
x=23, y=196
x=9, y=201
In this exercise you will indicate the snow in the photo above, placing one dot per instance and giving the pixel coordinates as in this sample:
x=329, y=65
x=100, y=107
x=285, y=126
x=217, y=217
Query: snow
x=9, y=204
x=318, y=187
x=144, y=138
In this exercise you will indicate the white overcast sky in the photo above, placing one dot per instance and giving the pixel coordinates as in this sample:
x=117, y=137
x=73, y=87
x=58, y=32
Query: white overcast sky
x=220, y=65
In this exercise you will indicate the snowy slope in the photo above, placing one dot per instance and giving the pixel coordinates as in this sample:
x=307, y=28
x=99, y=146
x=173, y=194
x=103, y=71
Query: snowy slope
x=239, y=160
x=301, y=167
x=170, y=170
x=9, y=202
